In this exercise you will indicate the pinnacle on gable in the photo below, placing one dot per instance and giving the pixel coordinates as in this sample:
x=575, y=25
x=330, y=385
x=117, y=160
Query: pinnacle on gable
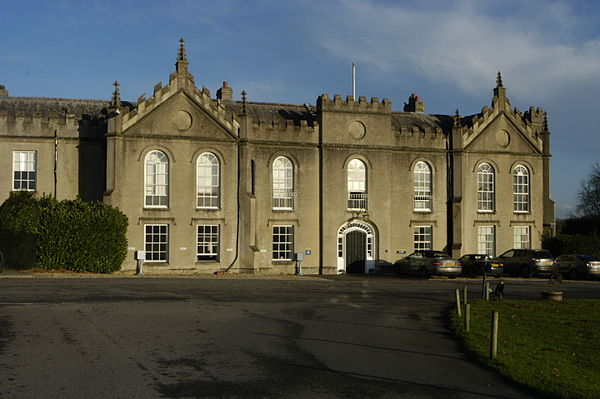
x=499, y=80
x=116, y=97
x=499, y=90
x=182, y=63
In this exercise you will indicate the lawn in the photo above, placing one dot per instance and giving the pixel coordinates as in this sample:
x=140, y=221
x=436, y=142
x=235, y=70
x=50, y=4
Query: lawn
x=552, y=347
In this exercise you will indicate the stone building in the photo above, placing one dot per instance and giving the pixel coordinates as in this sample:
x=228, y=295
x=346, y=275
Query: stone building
x=214, y=184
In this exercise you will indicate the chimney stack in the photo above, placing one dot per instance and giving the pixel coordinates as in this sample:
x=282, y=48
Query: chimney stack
x=225, y=93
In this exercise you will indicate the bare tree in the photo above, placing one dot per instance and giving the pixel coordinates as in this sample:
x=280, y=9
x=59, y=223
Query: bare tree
x=589, y=194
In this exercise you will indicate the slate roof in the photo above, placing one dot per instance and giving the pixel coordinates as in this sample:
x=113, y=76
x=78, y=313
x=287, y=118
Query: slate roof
x=422, y=121
x=49, y=106
x=270, y=111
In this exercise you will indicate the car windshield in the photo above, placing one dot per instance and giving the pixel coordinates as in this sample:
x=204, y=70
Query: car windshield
x=437, y=254
x=542, y=255
x=588, y=258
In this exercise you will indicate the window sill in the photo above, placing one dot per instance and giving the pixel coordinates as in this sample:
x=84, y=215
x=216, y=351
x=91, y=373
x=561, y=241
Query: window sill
x=157, y=208
x=422, y=211
x=486, y=212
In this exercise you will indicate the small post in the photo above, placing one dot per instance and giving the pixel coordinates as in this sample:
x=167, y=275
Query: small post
x=487, y=290
x=457, y=295
x=483, y=284
x=465, y=300
x=494, y=336
x=467, y=317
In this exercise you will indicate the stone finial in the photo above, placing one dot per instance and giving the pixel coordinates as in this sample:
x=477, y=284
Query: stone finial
x=182, y=63
x=545, y=123
x=456, y=118
x=499, y=80
x=244, y=110
x=116, y=97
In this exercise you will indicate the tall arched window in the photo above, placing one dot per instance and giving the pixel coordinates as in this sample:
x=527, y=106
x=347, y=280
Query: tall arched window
x=422, y=187
x=357, y=185
x=208, y=181
x=521, y=189
x=486, y=194
x=283, y=183
x=156, y=180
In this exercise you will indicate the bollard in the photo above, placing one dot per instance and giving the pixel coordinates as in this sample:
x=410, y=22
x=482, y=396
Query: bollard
x=465, y=295
x=467, y=317
x=494, y=336
x=139, y=269
x=487, y=290
x=483, y=284
x=457, y=292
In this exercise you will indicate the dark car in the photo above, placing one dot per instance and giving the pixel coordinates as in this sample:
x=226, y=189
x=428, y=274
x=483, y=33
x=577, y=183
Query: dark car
x=577, y=266
x=526, y=262
x=475, y=265
x=428, y=263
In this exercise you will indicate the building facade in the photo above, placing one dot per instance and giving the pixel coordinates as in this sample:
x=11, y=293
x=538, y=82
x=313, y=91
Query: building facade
x=212, y=184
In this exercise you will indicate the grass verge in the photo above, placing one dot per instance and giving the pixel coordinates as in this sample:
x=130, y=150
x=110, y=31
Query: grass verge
x=552, y=347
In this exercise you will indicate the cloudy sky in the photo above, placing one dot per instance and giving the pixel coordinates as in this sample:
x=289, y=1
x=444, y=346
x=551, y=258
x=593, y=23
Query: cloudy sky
x=448, y=52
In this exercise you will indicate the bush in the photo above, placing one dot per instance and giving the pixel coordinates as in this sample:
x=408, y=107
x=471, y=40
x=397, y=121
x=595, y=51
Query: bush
x=70, y=234
x=572, y=244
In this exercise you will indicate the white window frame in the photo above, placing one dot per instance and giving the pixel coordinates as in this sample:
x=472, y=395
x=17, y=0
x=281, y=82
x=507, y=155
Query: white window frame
x=423, y=237
x=422, y=187
x=358, y=196
x=283, y=184
x=156, y=180
x=156, y=243
x=208, y=242
x=486, y=190
x=283, y=243
x=486, y=240
x=24, y=170
x=521, y=189
x=208, y=181
x=522, y=237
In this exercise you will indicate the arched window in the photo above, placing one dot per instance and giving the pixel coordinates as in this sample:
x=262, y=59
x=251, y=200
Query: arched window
x=521, y=189
x=357, y=185
x=208, y=181
x=283, y=183
x=422, y=187
x=486, y=195
x=156, y=180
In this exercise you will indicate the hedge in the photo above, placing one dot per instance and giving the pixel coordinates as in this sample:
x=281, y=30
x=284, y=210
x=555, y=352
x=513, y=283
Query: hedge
x=572, y=244
x=70, y=234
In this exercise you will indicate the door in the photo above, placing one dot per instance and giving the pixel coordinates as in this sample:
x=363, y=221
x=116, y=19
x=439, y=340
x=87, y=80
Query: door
x=356, y=242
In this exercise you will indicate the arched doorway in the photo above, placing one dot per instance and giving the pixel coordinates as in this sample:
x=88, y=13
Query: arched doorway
x=355, y=247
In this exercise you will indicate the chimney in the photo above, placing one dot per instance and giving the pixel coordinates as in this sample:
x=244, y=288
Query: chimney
x=225, y=93
x=3, y=91
x=414, y=104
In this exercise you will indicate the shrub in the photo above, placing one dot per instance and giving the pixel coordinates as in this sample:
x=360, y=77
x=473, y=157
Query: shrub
x=572, y=244
x=71, y=234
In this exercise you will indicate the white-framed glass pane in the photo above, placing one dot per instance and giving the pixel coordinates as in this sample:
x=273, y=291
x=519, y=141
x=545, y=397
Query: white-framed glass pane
x=156, y=187
x=156, y=242
x=486, y=240
x=423, y=238
x=422, y=187
x=208, y=181
x=485, y=188
x=357, y=185
x=283, y=243
x=207, y=242
x=521, y=189
x=24, y=170
x=522, y=237
x=283, y=183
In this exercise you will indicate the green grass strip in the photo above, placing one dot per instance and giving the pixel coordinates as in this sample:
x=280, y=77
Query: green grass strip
x=552, y=347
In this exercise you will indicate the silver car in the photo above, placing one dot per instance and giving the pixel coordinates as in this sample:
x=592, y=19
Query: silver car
x=428, y=263
x=578, y=266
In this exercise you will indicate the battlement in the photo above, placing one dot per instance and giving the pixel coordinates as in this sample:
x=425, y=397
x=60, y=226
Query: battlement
x=432, y=133
x=285, y=125
x=324, y=104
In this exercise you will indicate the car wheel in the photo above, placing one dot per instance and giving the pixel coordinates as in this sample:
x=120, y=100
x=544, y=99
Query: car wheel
x=525, y=271
x=573, y=275
x=423, y=272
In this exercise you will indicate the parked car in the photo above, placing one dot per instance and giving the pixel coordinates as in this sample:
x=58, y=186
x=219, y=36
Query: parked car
x=526, y=262
x=428, y=263
x=577, y=266
x=475, y=264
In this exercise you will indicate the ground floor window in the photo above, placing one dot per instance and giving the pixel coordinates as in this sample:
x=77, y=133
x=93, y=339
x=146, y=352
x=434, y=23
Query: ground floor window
x=207, y=247
x=423, y=238
x=522, y=237
x=283, y=243
x=486, y=240
x=24, y=170
x=156, y=242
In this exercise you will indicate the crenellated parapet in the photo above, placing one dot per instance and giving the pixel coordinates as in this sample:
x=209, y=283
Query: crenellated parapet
x=284, y=127
x=324, y=104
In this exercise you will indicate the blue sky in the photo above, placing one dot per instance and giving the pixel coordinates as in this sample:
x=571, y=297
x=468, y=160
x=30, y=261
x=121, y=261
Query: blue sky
x=448, y=52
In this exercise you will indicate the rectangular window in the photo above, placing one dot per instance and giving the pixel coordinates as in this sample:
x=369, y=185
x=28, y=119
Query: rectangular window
x=423, y=238
x=283, y=243
x=522, y=237
x=207, y=247
x=24, y=170
x=156, y=242
x=486, y=240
